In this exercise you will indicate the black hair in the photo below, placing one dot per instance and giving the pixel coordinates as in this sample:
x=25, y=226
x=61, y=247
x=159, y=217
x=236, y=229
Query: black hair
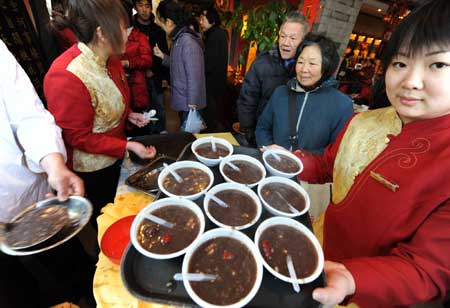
x=128, y=6
x=173, y=10
x=136, y=2
x=427, y=25
x=83, y=17
x=330, y=57
x=213, y=16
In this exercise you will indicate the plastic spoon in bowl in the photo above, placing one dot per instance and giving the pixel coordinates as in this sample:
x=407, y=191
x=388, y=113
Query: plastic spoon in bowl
x=158, y=220
x=177, y=177
x=277, y=157
x=233, y=166
x=290, y=206
x=291, y=269
x=194, y=277
x=213, y=145
x=216, y=200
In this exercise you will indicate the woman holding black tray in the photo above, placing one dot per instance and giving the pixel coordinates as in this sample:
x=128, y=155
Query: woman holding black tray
x=386, y=231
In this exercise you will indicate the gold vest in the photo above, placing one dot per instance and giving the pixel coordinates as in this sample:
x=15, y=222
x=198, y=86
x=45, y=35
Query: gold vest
x=106, y=99
x=365, y=138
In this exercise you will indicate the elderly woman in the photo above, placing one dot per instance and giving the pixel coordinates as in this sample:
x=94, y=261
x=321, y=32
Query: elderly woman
x=386, y=231
x=87, y=92
x=308, y=112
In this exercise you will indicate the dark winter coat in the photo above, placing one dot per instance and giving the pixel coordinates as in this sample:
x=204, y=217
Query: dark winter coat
x=320, y=115
x=264, y=76
x=216, y=61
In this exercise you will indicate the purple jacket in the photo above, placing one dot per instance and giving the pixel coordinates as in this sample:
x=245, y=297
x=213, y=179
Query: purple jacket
x=187, y=70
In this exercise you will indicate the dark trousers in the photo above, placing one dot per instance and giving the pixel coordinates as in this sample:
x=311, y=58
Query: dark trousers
x=100, y=187
x=63, y=274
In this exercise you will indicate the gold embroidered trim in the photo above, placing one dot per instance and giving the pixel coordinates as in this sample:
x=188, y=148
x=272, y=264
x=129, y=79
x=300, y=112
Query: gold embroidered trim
x=386, y=183
x=106, y=99
x=365, y=138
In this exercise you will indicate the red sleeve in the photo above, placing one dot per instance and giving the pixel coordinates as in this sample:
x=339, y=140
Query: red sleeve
x=318, y=169
x=413, y=272
x=70, y=103
x=142, y=60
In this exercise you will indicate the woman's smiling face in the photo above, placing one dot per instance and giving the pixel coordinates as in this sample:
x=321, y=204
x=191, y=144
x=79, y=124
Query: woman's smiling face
x=418, y=86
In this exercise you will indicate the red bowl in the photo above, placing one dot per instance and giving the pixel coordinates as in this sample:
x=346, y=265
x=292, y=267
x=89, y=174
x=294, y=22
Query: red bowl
x=116, y=238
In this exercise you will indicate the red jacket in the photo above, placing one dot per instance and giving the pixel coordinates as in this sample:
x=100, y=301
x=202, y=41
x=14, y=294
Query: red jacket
x=395, y=242
x=77, y=106
x=139, y=55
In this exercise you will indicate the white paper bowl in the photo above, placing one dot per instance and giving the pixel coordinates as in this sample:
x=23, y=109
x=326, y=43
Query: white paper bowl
x=159, y=204
x=284, y=181
x=222, y=232
x=297, y=225
x=210, y=162
x=185, y=164
x=233, y=186
x=246, y=158
x=277, y=172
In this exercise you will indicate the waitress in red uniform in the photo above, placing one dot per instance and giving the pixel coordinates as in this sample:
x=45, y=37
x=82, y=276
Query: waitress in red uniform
x=87, y=92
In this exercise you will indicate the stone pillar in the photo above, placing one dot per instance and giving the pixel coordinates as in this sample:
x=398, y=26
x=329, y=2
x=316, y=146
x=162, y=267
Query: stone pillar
x=337, y=21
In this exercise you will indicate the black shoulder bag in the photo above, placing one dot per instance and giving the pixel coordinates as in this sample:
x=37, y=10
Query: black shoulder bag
x=293, y=139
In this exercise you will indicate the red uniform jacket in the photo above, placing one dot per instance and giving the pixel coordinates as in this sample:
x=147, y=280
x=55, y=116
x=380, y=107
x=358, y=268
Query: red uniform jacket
x=82, y=110
x=139, y=54
x=396, y=244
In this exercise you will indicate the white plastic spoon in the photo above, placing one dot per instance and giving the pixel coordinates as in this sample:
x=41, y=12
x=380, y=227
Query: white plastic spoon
x=277, y=157
x=213, y=145
x=194, y=277
x=217, y=200
x=158, y=220
x=177, y=177
x=292, y=273
x=290, y=206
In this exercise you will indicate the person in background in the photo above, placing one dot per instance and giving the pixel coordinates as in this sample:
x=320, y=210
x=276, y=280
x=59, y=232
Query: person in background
x=309, y=112
x=216, y=61
x=136, y=60
x=60, y=27
x=270, y=70
x=385, y=233
x=32, y=164
x=320, y=110
x=87, y=92
x=187, y=72
x=158, y=76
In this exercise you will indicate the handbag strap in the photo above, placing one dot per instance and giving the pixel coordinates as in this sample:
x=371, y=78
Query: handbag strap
x=293, y=139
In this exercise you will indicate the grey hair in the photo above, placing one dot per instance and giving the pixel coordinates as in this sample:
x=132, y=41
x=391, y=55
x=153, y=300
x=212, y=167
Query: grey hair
x=298, y=17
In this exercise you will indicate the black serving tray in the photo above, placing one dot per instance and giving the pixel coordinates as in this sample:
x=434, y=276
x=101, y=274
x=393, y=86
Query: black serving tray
x=167, y=145
x=151, y=280
x=146, y=178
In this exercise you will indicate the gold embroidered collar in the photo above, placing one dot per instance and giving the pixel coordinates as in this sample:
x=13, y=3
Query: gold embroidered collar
x=91, y=55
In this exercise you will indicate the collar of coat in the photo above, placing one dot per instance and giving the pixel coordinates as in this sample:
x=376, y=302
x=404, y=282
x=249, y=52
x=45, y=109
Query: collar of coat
x=295, y=86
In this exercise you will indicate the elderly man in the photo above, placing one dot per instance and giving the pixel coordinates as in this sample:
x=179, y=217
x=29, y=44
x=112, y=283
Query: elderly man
x=270, y=70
